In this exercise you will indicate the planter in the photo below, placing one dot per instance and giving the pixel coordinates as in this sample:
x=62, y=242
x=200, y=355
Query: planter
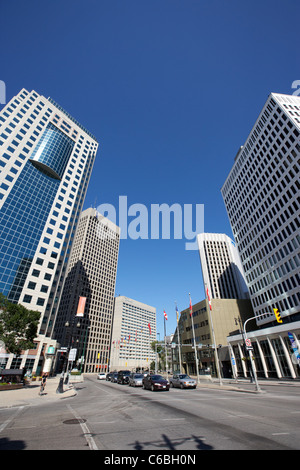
x=11, y=387
x=75, y=378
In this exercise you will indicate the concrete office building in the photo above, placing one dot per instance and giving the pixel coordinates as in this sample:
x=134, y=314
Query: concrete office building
x=134, y=329
x=223, y=319
x=87, y=300
x=46, y=159
x=222, y=269
x=261, y=195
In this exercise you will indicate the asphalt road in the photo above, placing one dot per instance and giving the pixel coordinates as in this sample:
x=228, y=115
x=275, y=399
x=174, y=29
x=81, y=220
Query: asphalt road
x=111, y=417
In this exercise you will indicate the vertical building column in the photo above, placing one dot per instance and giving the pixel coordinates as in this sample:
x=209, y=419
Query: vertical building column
x=277, y=367
x=287, y=356
x=242, y=361
x=262, y=357
x=232, y=357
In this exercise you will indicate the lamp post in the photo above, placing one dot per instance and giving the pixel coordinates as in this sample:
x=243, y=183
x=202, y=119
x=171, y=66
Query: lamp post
x=60, y=387
x=84, y=346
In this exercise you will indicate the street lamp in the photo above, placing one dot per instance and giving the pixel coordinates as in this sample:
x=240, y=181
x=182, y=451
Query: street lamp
x=248, y=351
x=60, y=387
x=84, y=345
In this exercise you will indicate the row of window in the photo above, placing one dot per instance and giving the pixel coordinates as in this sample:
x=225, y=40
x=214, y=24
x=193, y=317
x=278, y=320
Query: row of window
x=261, y=200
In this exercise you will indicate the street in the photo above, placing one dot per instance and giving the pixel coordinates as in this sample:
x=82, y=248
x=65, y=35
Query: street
x=110, y=417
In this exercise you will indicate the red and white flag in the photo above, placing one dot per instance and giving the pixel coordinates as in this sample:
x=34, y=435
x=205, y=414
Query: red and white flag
x=208, y=298
x=165, y=315
x=149, y=326
x=191, y=308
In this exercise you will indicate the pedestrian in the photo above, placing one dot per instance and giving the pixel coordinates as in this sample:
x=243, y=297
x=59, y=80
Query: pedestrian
x=43, y=383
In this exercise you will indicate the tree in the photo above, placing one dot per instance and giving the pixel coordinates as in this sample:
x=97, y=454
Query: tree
x=18, y=326
x=160, y=352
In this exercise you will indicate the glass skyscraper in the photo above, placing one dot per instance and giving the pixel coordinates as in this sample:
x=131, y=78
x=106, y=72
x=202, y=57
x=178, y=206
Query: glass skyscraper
x=46, y=159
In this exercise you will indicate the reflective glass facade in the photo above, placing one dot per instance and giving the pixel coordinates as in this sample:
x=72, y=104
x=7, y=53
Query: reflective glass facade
x=22, y=220
x=52, y=152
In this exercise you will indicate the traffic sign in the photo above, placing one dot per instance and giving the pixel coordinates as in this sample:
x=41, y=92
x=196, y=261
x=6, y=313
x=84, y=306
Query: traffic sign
x=72, y=355
x=248, y=344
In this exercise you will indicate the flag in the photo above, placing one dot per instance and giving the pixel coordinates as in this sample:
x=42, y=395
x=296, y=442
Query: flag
x=191, y=308
x=149, y=326
x=81, y=305
x=177, y=314
x=208, y=298
x=165, y=315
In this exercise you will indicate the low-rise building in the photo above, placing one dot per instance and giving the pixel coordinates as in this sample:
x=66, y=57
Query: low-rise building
x=211, y=329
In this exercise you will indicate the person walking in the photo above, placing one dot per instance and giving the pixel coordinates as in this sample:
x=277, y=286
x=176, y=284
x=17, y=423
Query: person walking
x=43, y=383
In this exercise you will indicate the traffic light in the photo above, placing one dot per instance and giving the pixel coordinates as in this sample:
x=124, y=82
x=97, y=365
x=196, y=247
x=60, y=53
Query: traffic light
x=277, y=315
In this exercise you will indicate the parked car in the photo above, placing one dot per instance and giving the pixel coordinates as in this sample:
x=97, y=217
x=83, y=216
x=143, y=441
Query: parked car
x=183, y=381
x=101, y=376
x=108, y=376
x=123, y=376
x=155, y=382
x=136, y=380
x=114, y=377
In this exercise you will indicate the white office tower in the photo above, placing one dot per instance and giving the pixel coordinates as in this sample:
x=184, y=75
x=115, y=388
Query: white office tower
x=134, y=329
x=88, y=296
x=261, y=195
x=222, y=269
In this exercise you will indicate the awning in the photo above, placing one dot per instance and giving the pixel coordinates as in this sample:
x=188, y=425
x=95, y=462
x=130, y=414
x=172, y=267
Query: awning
x=12, y=372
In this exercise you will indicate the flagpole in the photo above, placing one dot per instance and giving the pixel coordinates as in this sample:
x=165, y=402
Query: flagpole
x=165, y=344
x=213, y=334
x=179, y=349
x=195, y=348
x=141, y=349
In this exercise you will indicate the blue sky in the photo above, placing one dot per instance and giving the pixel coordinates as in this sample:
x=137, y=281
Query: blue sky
x=171, y=89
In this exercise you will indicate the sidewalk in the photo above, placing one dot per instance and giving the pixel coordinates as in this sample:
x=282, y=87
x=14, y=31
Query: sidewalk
x=243, y=384
x=29, y=395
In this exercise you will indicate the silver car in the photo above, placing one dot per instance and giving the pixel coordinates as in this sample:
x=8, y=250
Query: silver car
x=182, y=381
x=136, y=380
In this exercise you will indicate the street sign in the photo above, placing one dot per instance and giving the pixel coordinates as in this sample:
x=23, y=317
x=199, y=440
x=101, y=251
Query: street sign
x=248, y=344
x=72, y=355
x=51, y=350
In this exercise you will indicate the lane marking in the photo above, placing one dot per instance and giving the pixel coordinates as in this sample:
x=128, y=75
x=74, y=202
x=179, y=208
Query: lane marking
x=8, y=421
x=87, y=434
x=173, y=419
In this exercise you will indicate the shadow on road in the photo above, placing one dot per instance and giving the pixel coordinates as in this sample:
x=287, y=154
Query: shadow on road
x=171, y=444
x=6, y=444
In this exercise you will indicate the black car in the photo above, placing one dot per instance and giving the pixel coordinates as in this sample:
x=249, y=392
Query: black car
x=114, y=377
x=108, y=376
x=123, y=376
x=155, y=382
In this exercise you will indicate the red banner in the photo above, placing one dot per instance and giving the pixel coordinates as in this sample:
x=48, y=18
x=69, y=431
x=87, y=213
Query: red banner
x=81, y=305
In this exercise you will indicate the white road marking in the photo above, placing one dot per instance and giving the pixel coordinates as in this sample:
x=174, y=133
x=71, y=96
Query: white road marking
x=8, y=421
x=86, y=431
